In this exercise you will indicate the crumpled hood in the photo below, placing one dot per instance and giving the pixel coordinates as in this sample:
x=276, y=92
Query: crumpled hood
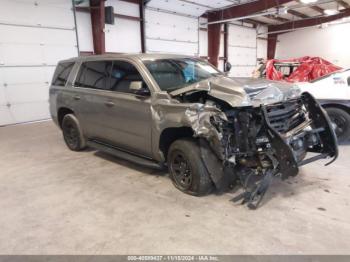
x=243, y=91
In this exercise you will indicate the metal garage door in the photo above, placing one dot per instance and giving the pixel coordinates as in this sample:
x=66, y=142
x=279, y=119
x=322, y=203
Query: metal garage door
x=171, y=33
x=242, y=50
x=34, y=35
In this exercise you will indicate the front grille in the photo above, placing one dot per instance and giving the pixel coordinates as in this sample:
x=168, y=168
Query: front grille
x=286, y=115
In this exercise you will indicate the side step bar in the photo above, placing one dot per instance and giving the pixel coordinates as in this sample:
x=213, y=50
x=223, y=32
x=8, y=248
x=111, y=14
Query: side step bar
x=124, y=155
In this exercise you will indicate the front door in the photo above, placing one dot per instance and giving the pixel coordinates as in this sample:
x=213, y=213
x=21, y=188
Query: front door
x=110, y=111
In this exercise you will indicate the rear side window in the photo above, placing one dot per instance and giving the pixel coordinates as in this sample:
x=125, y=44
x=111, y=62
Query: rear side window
x=349, y=81
x=94, y=74
x=108, y=75
x=61, y=73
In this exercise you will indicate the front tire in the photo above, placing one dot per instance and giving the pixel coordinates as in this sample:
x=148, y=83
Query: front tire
x=187, y=170
x=72, y=133
x=341, y=119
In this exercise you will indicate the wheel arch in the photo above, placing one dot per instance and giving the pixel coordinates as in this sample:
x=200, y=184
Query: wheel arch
x=335, y=105
x=170, y=135
x=61, y=113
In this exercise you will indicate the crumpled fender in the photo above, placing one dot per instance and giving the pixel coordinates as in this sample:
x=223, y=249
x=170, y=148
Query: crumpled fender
x=198, y=117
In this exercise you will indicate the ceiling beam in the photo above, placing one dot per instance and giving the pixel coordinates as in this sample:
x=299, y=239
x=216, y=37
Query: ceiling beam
x=343, y=4
x=197, y=4
x=245, y=9
x=317, y=9
x=298, y=14
x=132, y=1
x=309, y=22
x=254, y=22
x=277, y=18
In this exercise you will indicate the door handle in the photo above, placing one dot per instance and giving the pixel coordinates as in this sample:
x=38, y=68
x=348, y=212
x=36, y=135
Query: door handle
x=76, y=97
x=109, y=104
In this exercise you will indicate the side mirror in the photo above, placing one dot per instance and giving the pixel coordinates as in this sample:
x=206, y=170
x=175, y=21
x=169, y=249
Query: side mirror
x=137, y=88
x=228, y=67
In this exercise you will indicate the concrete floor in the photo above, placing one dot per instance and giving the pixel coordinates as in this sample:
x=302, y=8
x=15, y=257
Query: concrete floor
x=54, y=201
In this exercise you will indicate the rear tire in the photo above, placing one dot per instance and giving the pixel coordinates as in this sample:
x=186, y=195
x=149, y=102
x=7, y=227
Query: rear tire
x=341, y=119
x=72, y=133
x=187, y=170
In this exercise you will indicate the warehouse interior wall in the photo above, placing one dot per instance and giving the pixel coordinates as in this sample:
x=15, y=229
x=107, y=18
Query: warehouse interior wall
x=242, y=49
x=169, y=32
x=124, y=35
x=331, y=43
x=30, y=47
x=84, y=30
x=261, y=43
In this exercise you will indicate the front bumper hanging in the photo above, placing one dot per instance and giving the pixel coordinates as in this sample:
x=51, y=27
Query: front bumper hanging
x=321, y=137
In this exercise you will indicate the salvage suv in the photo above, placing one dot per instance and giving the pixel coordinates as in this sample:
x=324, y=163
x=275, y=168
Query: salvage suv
x=181, y=112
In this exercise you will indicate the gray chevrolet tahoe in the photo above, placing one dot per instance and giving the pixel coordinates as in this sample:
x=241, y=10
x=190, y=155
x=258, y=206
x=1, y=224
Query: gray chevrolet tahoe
x=180, y=112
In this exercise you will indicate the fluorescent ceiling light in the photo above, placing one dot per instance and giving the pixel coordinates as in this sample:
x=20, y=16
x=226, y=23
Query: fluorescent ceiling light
x=308, y=1
x=330, y=12
x=282, y=11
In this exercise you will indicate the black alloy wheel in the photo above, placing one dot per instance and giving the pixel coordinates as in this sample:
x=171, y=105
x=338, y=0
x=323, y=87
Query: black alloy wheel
x=186, y=168
x=72, y=134
x=341, y=123
x=182, y=170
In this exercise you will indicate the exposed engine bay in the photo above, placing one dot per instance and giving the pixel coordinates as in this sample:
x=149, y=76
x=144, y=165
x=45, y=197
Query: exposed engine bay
x=253, y=144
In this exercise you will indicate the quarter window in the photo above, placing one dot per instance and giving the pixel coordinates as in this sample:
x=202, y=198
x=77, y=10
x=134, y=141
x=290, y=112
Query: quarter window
x=61, y=74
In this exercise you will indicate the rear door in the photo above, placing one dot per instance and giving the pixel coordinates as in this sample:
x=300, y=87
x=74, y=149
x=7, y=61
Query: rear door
x=90, y=97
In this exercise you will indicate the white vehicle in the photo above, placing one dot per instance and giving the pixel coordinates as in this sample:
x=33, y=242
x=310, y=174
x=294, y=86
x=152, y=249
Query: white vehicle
x=333, y=93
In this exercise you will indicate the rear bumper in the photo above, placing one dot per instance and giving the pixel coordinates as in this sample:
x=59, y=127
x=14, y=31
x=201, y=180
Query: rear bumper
x=315, y=135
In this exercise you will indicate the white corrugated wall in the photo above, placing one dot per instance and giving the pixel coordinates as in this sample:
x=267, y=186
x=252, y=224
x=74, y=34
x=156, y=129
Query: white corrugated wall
x=33, y=37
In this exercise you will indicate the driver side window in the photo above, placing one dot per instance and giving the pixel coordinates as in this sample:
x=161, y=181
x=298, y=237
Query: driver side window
x=122, y=74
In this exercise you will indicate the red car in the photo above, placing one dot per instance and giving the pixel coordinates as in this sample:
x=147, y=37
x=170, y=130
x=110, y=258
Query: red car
x=302, y=69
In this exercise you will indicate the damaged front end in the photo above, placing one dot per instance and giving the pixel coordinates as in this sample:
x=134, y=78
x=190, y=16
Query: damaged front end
x=253, y=144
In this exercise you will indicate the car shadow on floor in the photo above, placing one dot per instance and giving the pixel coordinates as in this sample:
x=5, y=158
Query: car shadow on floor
x=292, y=186
x=282, y=188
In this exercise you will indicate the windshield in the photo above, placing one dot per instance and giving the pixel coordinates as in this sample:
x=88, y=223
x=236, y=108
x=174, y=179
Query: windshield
x=172, y=74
